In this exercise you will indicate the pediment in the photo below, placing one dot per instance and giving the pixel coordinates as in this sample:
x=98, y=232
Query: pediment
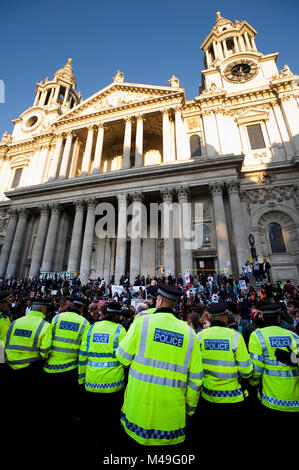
x=118, y=96
x=253, y=114
x=19, y=161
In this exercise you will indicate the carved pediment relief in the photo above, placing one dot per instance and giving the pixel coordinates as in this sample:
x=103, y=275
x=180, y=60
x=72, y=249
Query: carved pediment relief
x=117, y=99
x=118, y=95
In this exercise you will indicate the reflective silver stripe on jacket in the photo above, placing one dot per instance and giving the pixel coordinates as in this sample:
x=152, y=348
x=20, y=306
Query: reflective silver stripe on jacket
x=221, y=375
x=103, y=364
x=157, y=380
x=160, y=364
x=124, y=354
x=65, y=350
x=235, y=341
x=24, y=361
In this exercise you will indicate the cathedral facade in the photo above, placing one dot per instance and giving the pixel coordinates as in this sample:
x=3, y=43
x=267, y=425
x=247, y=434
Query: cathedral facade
x=234, y=148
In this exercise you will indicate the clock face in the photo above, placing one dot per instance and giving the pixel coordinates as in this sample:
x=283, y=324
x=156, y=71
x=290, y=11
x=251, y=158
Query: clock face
x=241, y=70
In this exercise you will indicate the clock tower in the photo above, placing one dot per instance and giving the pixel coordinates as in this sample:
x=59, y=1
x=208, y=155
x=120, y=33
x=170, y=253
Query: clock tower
x=232, y=61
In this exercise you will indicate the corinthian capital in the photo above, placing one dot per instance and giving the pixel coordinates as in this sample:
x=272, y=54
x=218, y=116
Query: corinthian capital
x=137, y=196
x=55, y=208
x=167, y=194
x=23, y=212
x=44, y=209
x=216, y=189
x=183, y=193
x=233, y=186
x=79, y=204
x=91, y=203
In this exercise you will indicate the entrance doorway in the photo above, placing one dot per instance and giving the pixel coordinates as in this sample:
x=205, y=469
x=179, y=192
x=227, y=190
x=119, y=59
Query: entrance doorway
x=209, y=265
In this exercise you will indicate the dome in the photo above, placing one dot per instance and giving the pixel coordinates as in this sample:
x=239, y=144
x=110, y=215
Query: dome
x=66, y=73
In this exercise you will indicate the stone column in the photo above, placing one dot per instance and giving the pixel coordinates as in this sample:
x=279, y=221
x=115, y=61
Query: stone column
x=220, y=51
x=185, y=253
x=215, y=49
x=88, y=240
x=56, y=158
x=127, y=143
x=225, y=48
x=13, y=263
x=99, y=149
x=291, y=115
x=179, y=135
x=286, y=137
x=242, y=249
x=39, y=244
x=241, y=43
x=135, y=260
x=236, y=44
x=75, y=156
x=44, y=149
x=121, y=242
x=139, y=141
x=66, y=155
x=87, y=152
x=248, y=45
x=50, y=245
x=167, y=232
x=77, y=234
x=223, y=252
x=9, y=237
x=107, y=259
x=166, y=136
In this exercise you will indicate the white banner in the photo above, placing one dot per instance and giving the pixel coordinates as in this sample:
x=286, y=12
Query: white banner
x=53, y=275
x=117, y=289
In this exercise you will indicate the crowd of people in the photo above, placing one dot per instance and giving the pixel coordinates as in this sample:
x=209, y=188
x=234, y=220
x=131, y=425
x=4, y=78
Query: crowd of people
x=203, y=302
x=200, y=291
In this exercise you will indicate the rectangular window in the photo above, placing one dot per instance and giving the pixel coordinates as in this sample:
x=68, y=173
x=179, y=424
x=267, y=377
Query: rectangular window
x=256, y=138
x=17, y=177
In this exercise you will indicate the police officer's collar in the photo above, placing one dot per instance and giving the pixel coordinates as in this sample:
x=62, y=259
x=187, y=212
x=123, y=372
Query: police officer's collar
x=36, y=313
x=218, y=323
x=164, y=310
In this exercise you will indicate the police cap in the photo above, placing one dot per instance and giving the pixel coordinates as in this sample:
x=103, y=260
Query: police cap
x=169, y=292
x=218, y=309
x=270, y=309
x=4, y=295
x=78, y=303
x=152, y=291
x=40, y=303
x=114, y=307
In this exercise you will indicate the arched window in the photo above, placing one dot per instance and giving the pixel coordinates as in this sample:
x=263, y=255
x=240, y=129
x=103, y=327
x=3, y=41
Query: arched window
x=195, y=146
x=276, y=238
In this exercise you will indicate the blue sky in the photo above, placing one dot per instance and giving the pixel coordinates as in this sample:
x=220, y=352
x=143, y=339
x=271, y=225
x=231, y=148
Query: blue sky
x=147, y=40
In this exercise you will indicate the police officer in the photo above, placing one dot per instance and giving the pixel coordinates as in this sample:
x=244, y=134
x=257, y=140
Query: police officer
x=28, y=343
x=4, y=314
x=102, y=376
x=67, y=329
x=277, y=382
x=165, y=375
x=226, y=364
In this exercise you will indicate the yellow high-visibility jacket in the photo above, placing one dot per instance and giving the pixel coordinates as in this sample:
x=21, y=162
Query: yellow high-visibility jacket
x=28, y=340
x=164, y=381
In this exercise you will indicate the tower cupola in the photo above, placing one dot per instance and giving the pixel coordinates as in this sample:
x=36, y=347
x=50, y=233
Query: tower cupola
x=59, y=92
x=227, y=39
